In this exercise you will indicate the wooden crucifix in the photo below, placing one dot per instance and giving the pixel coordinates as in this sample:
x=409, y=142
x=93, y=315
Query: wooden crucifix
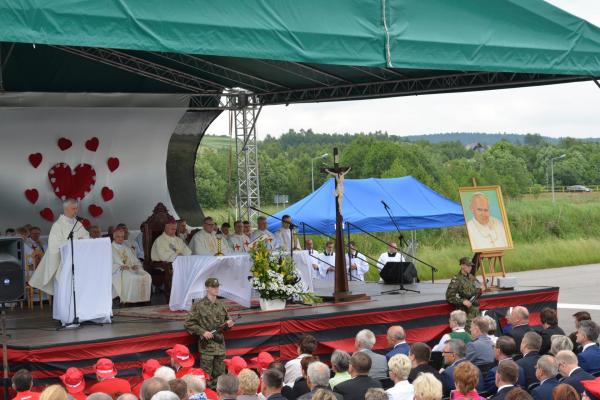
x=341, y=292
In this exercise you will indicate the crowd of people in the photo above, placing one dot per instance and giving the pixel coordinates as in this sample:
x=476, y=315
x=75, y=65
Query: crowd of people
x=523, y=364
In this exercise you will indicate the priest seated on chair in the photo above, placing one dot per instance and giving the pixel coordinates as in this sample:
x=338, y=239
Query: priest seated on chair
x=205, y=241
x=130, y=283
x=49, y=266
x=168, y=246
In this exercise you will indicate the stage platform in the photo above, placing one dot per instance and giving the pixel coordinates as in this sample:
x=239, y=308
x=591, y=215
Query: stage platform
x=35, y=343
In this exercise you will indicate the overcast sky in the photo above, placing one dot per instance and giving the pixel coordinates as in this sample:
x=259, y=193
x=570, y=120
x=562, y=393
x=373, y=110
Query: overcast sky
x=555, y=110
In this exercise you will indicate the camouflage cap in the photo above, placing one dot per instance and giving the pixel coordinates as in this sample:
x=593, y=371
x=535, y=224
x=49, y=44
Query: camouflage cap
x=212, y=282
x=465, y=261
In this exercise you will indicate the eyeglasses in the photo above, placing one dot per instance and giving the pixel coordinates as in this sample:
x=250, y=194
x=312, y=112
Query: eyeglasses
x=448, y=352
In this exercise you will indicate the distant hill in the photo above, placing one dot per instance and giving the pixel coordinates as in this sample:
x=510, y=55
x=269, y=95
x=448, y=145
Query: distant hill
x=483, y=138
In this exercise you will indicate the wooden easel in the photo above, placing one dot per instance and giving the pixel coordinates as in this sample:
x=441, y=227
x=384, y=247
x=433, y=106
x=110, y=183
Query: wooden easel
x=490, y=259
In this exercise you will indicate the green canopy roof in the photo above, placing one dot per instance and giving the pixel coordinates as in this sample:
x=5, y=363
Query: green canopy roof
x=290, y=50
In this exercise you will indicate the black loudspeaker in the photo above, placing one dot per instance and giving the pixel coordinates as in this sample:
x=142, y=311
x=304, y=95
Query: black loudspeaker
x=12, y=270
x=392, y=272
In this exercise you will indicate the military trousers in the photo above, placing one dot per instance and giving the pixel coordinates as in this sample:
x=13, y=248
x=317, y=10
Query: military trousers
x=213, y=365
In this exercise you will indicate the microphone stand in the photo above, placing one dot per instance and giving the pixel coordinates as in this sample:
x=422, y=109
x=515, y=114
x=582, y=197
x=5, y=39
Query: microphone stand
x=75, y=322
x=400, y=240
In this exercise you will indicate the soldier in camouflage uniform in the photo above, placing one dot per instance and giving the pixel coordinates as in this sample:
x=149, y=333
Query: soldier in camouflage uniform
x=205, y=316
x=461, y=288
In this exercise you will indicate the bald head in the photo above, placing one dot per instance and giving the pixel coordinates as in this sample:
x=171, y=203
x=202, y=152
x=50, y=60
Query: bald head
x=395, y=335
x=518, y=316
x=567, y=362
x=480, y=208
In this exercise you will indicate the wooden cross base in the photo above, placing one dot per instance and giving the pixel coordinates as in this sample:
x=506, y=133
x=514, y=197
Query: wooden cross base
x=341, y=297
x=490, y=259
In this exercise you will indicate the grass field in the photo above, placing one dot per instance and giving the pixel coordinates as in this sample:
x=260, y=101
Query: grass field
x=215, y=142
x=545, y=235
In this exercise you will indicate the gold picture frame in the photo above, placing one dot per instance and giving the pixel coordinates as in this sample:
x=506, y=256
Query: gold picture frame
x=485, y=218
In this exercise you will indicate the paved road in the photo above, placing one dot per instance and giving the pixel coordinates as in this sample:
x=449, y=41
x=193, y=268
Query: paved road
x=579, y=290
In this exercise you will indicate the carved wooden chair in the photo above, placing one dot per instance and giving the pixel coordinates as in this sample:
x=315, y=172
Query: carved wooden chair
x=153, y=227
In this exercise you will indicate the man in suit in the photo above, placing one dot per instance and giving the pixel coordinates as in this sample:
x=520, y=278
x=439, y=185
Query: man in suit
x=272, y=382
x=504, y=349
x=364, y=342
x=546, y=370
x=519, y=319
x=317, y=378
x=572, y=373
x=587, y=335
x=355, y=388
x=227, y=387
x=530, y=347
x=506, y=379
x=419, y=356
x=480, y=350
x=455, y=351
x=397, y=340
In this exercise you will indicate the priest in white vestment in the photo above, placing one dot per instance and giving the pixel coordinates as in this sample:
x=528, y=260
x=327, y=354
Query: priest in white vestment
x=263, y=231
x=182, y=230
x=357, y=265
x=392, y=255
x=315, y=258
x=168, y=246
x=131, y=284
x=238, y=242
x=206, y=241
x=49, y=266
x=284, y=235
x=327, y=264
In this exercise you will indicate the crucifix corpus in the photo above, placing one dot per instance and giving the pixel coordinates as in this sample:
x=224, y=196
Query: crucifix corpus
x=341, y=292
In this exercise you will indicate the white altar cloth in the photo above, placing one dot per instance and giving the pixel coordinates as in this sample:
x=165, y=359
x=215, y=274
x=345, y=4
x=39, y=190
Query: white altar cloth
x=233, y=272
x=93, y=282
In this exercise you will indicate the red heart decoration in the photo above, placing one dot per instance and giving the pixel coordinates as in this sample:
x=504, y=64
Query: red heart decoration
x=86, y=223
x=92, y=144
x=64, y=143
x=95, y=211
x=107, y=194
x=35, y=159
x=47, y=214
x=32, y=195
x=113, y=163
x=76, y=184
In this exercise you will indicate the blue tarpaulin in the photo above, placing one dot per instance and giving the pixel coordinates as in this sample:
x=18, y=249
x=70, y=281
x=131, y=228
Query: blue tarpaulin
x=412, y=204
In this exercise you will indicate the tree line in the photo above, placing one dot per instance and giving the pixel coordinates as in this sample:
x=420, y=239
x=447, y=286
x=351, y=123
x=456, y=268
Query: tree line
x=285, y=163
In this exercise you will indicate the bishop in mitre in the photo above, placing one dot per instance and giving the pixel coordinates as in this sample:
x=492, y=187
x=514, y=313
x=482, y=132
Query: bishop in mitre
x=49, y=266
x=168, y=246
x=205, y=241
x=131, y=284
x=238, y=241
x=285, y=236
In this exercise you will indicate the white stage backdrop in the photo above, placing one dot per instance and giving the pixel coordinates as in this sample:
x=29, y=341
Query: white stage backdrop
x=137, y=137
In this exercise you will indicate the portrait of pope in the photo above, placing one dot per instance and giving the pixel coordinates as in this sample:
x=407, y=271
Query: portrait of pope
x=485, y=223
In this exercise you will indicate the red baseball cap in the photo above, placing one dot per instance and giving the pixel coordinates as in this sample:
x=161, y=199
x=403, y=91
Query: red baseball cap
x=73, y=380
x=149, y=367
x=181, y=355
x=592, y=387
x=105, y=368
x=199, y=372
x=235, y=365
x=263, y=360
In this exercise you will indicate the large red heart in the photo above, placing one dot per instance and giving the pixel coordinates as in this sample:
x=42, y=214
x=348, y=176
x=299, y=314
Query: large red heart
x=64, y=143
x=113, y=163
x=32, y=195
x=47, y=214
x=75, y=184
x=86, y=223
x=107, y=194
x=95, y=211
x=92, y=144
x=35, y=159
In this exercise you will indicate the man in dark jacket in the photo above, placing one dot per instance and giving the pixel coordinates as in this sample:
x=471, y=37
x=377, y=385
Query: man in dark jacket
x=420, y=355
x=545, y=371
x=506, y=379
x=572, y=373
x=272, y=382
x=530, y=346
x=519, y=319
x=317, y=377
x=355, y=388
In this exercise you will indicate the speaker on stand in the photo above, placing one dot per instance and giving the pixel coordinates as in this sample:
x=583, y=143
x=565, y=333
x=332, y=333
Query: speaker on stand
x=12, y=289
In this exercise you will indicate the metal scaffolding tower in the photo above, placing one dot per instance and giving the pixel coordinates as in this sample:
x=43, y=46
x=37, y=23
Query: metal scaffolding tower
x=242, y=120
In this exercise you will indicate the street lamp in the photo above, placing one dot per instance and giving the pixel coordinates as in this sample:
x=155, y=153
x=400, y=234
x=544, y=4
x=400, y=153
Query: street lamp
x=312, y=168
x=552, y=174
